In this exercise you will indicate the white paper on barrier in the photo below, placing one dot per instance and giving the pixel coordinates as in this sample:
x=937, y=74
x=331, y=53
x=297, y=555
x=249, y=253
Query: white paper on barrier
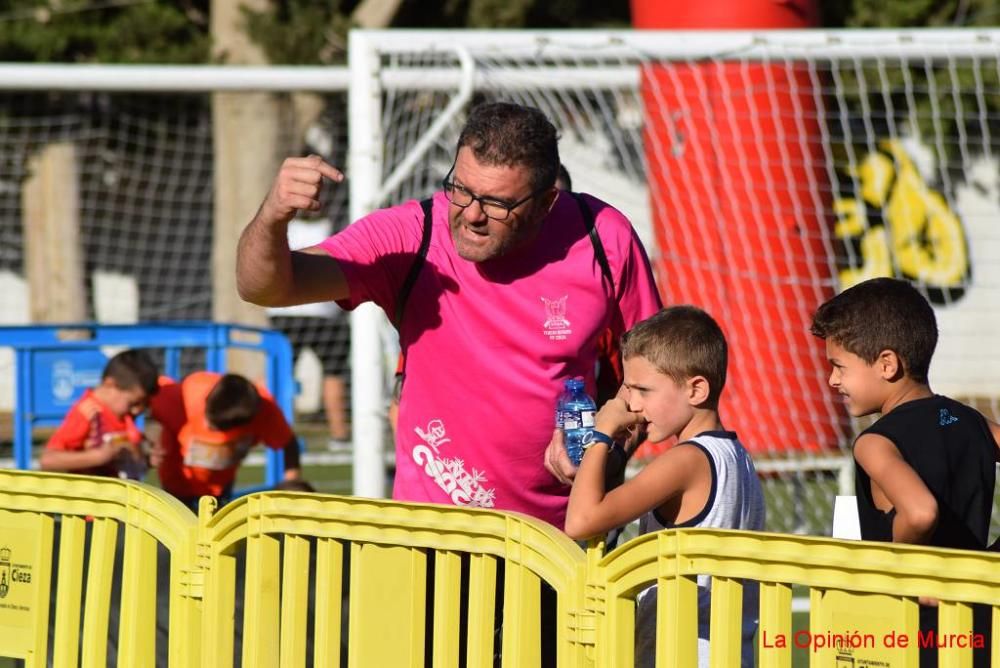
x=845, y=518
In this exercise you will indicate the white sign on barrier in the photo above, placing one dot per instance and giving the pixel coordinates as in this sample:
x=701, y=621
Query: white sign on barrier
x=845, y=518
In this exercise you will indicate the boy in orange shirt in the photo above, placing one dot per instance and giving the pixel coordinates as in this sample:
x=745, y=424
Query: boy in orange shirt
x=209, y=423
x=98, y=435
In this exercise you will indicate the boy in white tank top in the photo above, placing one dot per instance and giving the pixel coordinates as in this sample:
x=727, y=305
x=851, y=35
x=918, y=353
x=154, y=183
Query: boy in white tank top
x=675, y=369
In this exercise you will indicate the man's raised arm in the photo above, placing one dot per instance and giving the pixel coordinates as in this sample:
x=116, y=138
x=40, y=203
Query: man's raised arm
x=267, y=272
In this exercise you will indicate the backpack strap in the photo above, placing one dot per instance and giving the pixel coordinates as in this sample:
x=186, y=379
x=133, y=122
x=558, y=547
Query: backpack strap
x=425, y=242
x=595, y=238
x=418, y=262
x=610, y=373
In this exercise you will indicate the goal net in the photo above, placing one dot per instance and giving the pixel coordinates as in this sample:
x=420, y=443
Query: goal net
x=117, y=186
x=764, y=173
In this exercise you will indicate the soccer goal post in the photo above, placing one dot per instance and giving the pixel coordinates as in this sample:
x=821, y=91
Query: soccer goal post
x=764, y=170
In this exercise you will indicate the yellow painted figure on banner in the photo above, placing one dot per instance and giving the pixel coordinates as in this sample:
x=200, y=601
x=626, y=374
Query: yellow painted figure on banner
x=895, y=225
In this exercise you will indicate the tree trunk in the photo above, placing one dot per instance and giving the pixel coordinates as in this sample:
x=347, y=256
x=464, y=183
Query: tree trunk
x=53, y=262
x=247, y=155
x=374, y=14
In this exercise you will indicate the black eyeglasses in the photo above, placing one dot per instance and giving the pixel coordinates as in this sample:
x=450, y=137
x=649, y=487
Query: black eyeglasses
x=493, y=209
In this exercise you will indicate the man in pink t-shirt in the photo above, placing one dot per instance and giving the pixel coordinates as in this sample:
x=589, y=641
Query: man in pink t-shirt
x=510, y=302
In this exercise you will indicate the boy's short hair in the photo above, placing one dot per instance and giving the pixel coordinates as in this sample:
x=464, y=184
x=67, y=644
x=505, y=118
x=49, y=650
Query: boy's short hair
x=881, y=314
x=233, y=402
x=131, y=369
x=682, y=342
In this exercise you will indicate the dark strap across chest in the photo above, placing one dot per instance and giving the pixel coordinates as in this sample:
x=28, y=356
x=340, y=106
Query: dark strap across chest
x=425, y=242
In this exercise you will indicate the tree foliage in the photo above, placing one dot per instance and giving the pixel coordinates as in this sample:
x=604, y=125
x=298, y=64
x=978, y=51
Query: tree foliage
x=315, y=31
x=516, y=14
x=909, y=13
x=100, y=31
x=301, y=32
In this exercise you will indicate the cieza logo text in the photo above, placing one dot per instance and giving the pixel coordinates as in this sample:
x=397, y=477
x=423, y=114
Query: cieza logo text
x=11, y=573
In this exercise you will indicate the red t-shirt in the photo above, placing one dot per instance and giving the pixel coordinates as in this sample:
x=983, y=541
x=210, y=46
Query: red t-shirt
x=88, y=424
x=202, y=461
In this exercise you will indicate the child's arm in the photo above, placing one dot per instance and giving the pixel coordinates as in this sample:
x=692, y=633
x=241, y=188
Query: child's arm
x=558, y=463
x=293, y=470
x=895, y=485
x=68, y=461
x=67, y=451
x=275, y=432
x=592, y=512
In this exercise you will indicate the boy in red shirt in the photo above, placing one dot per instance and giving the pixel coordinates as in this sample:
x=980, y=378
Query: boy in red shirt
x=98, y=435
x=209, y=423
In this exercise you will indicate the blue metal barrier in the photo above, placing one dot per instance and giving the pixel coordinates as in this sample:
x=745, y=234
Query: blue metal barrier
x=54, y=364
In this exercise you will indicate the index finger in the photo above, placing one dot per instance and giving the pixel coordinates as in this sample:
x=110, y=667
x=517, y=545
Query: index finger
x=634, y=418
x=330, y=172
x=326, y=169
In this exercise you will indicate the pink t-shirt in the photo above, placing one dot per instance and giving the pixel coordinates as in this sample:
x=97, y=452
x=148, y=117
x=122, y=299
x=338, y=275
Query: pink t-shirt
x=488, y=345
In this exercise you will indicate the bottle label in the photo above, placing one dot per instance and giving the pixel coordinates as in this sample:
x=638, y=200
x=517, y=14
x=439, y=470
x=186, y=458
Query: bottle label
x=568, y=419
x=587, y=418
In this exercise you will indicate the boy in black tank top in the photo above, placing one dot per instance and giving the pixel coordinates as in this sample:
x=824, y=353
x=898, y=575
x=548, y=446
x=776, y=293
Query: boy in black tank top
x=925, y=471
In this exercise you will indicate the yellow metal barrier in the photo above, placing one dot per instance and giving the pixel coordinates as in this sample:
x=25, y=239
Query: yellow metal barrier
x=863, y=598
x=408, y=567
x=290, y=579
x=86, y=515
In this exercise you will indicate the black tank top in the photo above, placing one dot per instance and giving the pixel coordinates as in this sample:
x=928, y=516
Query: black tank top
x=951, y=448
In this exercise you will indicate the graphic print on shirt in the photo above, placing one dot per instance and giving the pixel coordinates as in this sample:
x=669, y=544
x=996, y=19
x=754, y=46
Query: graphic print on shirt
x=97, y=433
x=556, y=326
x=217, y=456
x=464, y=488
x=945, y=418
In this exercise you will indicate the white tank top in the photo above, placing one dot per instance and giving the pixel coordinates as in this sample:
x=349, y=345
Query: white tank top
x=736, y=501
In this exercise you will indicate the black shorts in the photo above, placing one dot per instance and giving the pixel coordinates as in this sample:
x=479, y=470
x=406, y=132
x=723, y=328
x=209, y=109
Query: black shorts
x=329, y=338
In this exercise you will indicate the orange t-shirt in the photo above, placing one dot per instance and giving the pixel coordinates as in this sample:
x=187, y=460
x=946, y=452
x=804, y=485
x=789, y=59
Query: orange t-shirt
x=201, y=461
x=87, y=424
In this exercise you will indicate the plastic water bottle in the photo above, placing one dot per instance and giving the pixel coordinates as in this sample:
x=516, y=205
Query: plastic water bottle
x=133, y=464
x=575, y=416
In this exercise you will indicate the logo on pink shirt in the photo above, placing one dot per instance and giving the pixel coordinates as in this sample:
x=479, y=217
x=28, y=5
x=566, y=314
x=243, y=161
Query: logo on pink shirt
x=556, y=326
x=464, y=488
